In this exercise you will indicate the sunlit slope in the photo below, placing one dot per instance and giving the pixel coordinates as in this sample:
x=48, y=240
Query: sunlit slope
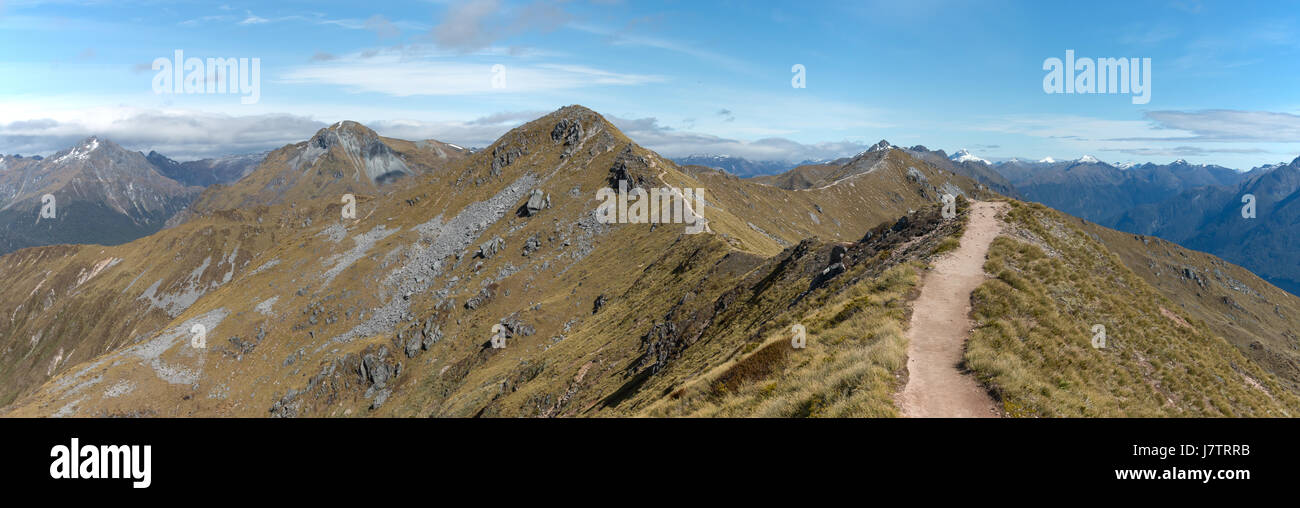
x=390, y=312
x=1057, y=289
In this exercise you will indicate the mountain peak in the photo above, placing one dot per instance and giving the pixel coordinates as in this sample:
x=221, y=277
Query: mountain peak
x=1088, y=159
x=880, y=145
x=1047, y=160
x=964, y=155
x=361, y=147
x=82, y=151
x=346, y=128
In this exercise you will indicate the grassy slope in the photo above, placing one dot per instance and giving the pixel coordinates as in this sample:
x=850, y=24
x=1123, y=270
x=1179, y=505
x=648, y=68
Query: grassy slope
x=1261, y=320
x=1032, y=342
x=856, y=351
x=574, y=364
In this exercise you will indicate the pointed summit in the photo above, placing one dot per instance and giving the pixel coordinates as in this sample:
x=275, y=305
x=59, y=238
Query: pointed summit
x=964, y=155
x=881, y=145
x=356, y=144
x=81, y=151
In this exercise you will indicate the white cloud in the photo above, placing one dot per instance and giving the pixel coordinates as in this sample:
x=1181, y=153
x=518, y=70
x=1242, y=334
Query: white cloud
x=180, y=134
x=674, y=143
x=472, y=25
x=253, y=19
x=625, y=38
x=394, y=75
x=1229, y=125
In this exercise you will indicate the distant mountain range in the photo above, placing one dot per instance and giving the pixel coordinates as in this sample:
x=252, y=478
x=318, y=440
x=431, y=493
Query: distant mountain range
x=741, y=166
x=394, y=312
x=102, y=193
x=207, y=171
x=1210, y=218
x=1198, y=206
x=1195, y=205
x=1101, y=192
x=784, y=174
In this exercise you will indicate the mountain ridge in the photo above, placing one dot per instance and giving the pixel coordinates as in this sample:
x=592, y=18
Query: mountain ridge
x=393, y=312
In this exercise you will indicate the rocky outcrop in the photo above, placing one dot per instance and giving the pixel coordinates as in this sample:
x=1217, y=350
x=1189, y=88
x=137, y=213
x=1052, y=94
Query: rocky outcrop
x=537, y=201
x=368, y=375
x=569, y=132
x=490, y=248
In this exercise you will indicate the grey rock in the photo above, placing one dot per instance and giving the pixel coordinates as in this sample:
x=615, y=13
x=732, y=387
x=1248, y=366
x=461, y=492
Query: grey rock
x=532, y=245
x=537, y=202
x=569, y=132
x=490, y=248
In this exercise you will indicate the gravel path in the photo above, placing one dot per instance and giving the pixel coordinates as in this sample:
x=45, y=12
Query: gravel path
x=936, y=386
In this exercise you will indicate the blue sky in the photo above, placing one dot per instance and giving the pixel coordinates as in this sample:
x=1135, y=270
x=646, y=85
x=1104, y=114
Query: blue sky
x=678, y=77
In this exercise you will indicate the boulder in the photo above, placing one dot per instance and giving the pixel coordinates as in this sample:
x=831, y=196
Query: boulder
x=490, y=248
x=537, y=202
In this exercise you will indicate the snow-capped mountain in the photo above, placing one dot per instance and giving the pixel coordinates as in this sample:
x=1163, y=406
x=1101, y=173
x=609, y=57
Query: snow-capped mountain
x=965, y=156
x=102, y=194
x=1098, y=191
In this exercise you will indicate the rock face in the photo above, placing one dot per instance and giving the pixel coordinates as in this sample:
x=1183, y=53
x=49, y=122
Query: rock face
x=367, y=374
x=628, y=167
x=516, y=327
x=416, y=338
x=833, y=268
x=569, y=132
x=503, y=155
x=357, y=144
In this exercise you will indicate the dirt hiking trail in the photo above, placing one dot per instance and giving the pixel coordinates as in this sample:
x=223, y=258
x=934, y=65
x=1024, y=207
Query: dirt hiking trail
x=936, y=385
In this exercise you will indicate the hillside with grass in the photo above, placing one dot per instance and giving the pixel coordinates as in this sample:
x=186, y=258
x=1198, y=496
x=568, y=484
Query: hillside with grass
x=391, y=313
x=264, y=300
x=1037, y=344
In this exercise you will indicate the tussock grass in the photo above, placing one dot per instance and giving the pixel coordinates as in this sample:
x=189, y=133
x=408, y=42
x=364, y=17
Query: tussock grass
x=948, y=244
x=1034, y=329
x=855, y=346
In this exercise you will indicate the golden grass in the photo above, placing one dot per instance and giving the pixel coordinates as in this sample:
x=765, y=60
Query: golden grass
x=855, y=346
x=1034, y=331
